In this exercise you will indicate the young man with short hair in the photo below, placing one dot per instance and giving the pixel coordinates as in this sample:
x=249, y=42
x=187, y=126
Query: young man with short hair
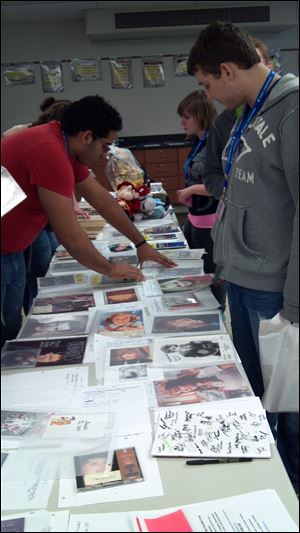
x=256, y=232
x=48, y=161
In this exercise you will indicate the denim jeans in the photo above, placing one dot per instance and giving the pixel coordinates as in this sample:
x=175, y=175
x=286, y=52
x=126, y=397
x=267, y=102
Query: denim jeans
x=13, y=277
x=37, y=259
x=247, y=308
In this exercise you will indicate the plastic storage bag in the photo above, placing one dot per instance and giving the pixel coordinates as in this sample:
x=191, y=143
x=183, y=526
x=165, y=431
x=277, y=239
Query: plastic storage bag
x=279, y=356
x=123, y=167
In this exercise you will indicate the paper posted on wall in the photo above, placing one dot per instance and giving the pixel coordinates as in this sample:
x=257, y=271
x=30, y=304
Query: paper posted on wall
x=11, y=192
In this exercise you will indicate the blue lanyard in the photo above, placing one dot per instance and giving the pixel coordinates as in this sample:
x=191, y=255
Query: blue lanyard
x=194, y=152
x=244, y=123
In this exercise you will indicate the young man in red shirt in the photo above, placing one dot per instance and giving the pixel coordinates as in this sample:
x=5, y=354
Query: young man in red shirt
x=48, y=161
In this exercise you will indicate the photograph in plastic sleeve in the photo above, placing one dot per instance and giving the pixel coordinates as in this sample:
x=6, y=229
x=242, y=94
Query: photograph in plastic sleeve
x=94, y=471
x=129, y=355
x=161, y=237
x=168, y=245
x=187, y=323
x=121, y=323
x=67, y=281
x=131, y=259
x=176, y=285
x=202, y=384
x=18, y=73
x=65, y=303
x=180, y=65
x=133, y=372
x=23, y=423
x=40, y=326
x=186, y=351
x=86, y=69
x=165, y=274
x=185, y=283
x=63, y=255
x=121, y=72
x=36, y=521
x=39, y=353
x=153, y=71
x=63, y=267
x=13, y=524
x=196, y=253
x=120, y=247
x=121, y=296
x=158, y=230
x=182, y=302
x=52, y=76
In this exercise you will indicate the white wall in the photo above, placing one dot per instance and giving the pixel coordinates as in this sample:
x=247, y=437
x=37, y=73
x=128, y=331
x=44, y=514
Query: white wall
x=145, y=111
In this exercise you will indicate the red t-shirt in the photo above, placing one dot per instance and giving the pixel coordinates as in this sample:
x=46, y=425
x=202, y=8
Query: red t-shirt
x=36, y=157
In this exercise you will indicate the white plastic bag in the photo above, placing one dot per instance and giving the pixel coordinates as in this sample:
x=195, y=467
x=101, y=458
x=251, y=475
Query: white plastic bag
x=279, y=356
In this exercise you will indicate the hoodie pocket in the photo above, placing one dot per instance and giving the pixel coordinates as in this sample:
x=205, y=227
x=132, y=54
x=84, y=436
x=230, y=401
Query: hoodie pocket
x=237, y=251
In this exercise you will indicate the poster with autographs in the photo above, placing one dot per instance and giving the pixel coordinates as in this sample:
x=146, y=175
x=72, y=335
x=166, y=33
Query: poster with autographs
x=212, y=433
x=39, y=353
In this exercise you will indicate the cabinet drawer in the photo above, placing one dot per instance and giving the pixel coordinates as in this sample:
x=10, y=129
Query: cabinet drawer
x=181, y=169
x=160, y=170
x=160, y=154
x=183, y=153
x=173, y=197
x=168, y=183
x=139, y=156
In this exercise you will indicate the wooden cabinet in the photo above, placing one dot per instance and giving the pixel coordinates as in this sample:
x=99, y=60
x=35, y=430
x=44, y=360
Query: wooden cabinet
x=162, y=164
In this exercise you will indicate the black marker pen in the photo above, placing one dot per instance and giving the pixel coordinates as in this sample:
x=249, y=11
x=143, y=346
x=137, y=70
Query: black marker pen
x=218, y=461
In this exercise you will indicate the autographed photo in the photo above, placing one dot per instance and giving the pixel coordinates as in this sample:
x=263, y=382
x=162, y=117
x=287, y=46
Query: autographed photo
x=121, y=247
x=52, y=352
x=96, y=470
x=40, y=326
x=63, y=304
x=183, y=302
x=121, y=296
x=185, y=283
x=193, y=323
x=198, y=385
x=198, y=350
x=129, y=355
x=127, y=323
x=23, y=423
x=157, y=230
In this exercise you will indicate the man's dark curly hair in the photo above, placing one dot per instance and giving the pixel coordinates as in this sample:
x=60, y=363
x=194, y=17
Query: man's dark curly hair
x=91, y=113
x=222, y=42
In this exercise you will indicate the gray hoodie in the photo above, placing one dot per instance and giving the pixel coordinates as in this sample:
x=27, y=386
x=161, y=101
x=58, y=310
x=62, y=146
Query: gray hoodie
x=256, y=241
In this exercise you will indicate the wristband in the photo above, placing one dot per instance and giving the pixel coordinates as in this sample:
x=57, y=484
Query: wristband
x=141, y=243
